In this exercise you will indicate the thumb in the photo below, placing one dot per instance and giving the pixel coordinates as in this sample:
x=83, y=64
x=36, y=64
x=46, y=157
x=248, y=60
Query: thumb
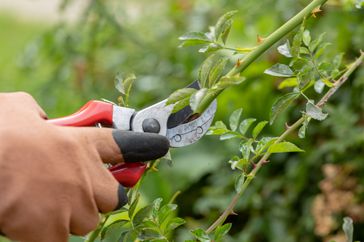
x=115, y=146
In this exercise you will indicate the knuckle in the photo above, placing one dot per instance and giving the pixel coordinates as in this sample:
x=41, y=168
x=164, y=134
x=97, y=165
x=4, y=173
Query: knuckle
x=23, y=95
x=88, y=224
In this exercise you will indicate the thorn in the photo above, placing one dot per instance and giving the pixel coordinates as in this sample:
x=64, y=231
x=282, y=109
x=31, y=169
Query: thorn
x=253, y=164
x=266, y=161
x=287, y=126
x=233, y=213
x=260, y=39
x=153, y=168
x=238, y=63
x=315, y=11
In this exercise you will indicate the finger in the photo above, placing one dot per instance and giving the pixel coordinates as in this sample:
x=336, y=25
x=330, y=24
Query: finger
x=26, y=100
x=108, y=193
x=115, y=146
x=84, y=210
x=137, y=146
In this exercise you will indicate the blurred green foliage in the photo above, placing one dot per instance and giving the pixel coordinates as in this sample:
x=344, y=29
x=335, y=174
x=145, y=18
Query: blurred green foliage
x=67, y=64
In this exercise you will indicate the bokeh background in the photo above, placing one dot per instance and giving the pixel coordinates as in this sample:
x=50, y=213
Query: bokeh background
x=67, y=52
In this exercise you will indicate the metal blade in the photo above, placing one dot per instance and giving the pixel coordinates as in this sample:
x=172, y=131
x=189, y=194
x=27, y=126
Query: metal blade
x=156, y=118
x=181, y=116
x=189, y=133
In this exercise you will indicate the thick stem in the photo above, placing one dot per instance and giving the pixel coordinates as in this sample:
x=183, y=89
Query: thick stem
x=265, y=45
x=293, y=127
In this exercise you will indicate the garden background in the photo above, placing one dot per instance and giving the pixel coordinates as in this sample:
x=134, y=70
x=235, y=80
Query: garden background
x=67, y=55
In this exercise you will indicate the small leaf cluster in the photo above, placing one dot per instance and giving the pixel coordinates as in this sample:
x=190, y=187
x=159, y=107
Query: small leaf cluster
x=215, y=39
x=219, y=233
x=211, y=75
x=154, y=222
x=250, y=147
x=124, y=86
x=212, y=81
x=309, y=66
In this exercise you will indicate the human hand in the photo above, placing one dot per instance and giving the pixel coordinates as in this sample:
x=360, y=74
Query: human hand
x=52, y=179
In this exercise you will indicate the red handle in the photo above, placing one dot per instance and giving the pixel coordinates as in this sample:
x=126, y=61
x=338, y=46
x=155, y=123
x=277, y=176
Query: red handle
x=90, y=114
x=93, y=112
x=128, y=174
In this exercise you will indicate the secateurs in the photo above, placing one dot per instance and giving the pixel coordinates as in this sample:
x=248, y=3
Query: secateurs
x=181, y=128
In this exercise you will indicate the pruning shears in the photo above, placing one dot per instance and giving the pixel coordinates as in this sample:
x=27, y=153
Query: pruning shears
x=181, y=128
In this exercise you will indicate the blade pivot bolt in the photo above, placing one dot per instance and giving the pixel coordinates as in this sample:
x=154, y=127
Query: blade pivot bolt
x=151, y=125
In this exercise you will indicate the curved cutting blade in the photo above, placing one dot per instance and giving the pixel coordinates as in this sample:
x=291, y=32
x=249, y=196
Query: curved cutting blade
x=189, y=133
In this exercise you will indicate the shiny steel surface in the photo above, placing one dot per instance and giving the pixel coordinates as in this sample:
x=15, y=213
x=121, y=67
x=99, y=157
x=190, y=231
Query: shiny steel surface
x=189, y=133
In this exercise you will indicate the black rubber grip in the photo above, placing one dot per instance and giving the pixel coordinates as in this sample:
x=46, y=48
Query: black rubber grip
x=123, y=198
x=137, y=146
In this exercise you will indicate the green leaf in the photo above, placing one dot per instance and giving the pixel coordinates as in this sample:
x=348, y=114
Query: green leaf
x=282, y=104
x=194, y=38
x=235, y=118
x=156, y=206
x=113, y=231
x=180, y=94
x=306, y=37
x=174, y=223
x=236, y=162
x=285, y=49
x=280, y=70
x=226, y=31
x=206, y=68
x=241, y=164
x=303, y=129
x=245, y=148
x=226, y=82
x=219, y=125
x=245, y=125
x=289, y=82
x=321, y=49
x=119, y=83
x=297, y=40
x=133, y=206
x=229, y=135
x=197, y=97
x=217, y=71
x=348, y=229
x=238, y=185
x=132, y=235
x=221, y=231
x=336, y=62
x=210, y=48
x=201, y=235
x=264, y=143
x=181, y=104
x=315, y=43
x=142, y=214
x=283, y=147
x=218, y=129
x=150, y=234
x=223, y=24
x=258, y=128
x=128, y=83
x=166, y=211
x=315, y=112
x=327, y=82
x=319, y=86
x=304, y=50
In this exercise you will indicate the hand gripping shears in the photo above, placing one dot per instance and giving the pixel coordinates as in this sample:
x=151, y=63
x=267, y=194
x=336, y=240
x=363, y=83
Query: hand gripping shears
x=181, y=128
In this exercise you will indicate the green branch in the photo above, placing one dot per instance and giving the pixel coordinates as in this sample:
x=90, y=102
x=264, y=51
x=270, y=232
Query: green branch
x=337, y=84
x=265, y=45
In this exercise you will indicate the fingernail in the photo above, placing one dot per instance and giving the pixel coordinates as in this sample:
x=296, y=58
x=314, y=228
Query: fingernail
x=123, y=198
x=136, y=146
